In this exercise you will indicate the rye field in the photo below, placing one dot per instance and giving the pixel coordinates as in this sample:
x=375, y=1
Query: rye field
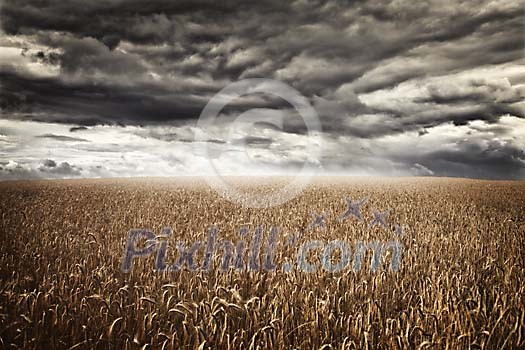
x=459, y=284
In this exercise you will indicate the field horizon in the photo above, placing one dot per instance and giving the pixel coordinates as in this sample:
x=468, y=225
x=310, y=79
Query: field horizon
x=315, y=178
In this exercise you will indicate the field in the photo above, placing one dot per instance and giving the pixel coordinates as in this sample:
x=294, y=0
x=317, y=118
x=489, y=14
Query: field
x=459, y=285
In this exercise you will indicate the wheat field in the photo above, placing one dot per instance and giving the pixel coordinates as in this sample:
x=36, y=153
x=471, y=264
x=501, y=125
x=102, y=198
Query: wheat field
x=459, y=285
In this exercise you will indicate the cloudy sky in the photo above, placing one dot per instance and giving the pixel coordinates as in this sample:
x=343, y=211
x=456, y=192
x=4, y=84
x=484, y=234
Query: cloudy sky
x=115, y=88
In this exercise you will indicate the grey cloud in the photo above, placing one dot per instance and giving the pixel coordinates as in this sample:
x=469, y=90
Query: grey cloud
x=224, y=41
x=255, y=141
x=474, y=156
x=159, y=63
x=77, y=128
x=51, y=99
x=48, y=168
x=89, y=56
x=476, y=90
x=49, y=163
x=61, y=138
x=15, y=171
x=493, y=160
x=63, y=169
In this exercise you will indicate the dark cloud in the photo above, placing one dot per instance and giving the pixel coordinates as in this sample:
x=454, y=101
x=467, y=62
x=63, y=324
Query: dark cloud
x=63, y=169
x=51, y=58
x=105, y=21
x=484, y=160
x=158, y=63
x=49, y=163
x=77, y=128
x=90, y=56
x=89, y=103
x=314, y=46
x=134, y=21
x=55, y=100
x=254, y=141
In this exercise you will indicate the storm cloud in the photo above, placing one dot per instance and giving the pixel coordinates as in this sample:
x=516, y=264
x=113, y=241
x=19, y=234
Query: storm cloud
x=375, y=71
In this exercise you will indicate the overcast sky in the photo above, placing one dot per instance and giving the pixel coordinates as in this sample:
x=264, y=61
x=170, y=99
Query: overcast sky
x=115, y=88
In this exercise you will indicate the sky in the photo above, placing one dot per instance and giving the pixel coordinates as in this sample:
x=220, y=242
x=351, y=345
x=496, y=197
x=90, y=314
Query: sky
x=115, y=88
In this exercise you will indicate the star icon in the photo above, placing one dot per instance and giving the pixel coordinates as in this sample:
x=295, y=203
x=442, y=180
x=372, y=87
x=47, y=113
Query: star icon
x=318, y=220
x=399, y=230
x=379, y=218
x=354, y=208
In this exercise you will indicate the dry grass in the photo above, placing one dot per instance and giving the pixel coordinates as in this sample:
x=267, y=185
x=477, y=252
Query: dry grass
x=460, y=284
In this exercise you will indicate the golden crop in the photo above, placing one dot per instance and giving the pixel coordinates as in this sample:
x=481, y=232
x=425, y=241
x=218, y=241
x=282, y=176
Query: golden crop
x=460, y=284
